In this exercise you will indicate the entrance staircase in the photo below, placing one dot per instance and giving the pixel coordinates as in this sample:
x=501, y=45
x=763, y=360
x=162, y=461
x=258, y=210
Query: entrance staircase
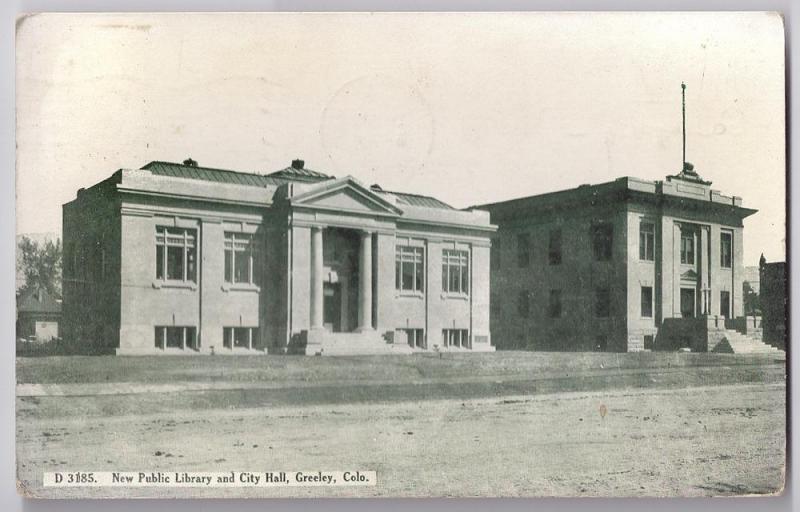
x=737, y=343
x=354, y=343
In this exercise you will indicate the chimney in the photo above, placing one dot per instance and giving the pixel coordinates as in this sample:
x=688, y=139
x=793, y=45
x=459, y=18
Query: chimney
x=298, y=164
x=190, y=163
x=375, y=186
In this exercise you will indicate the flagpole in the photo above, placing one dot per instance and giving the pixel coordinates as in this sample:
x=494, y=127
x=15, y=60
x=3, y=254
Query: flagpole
x=683, y=109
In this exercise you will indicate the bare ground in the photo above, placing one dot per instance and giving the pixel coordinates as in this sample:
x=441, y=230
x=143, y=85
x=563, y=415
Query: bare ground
x=658, y=438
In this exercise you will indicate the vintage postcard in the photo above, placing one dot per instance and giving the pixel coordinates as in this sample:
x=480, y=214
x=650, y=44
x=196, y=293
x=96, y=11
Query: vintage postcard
x=400, y=255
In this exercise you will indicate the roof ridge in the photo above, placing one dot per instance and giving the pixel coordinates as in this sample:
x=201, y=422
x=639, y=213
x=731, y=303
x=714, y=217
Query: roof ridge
x=164, y=162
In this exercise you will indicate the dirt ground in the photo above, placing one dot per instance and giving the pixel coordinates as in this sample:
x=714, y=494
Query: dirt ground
x=656, y=439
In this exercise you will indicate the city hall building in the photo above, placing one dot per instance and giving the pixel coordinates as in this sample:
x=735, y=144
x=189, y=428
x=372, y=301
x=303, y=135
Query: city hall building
x=622, y=266
x=178, y=258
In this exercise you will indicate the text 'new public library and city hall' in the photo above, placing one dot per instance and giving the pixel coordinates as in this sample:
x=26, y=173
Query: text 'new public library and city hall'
x=179, y=258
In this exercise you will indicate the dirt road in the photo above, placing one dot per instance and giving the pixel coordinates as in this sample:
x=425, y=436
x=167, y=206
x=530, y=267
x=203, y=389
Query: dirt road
x=697, y=441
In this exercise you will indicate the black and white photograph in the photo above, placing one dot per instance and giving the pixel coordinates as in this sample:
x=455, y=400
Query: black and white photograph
x=293, y=255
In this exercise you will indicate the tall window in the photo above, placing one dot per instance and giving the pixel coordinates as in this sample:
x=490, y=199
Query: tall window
x=647, y=301
x=523, y=303
x=602, y=241
x=687, y=247
x=725, y=304
x=409, y=268
x=687, y=302
x=725, y=248
x=523, y=249
x=647, y=241
x=602, y=302
x=242, y=264
x=554, y=247
x=554, y=306
x=455, y=271
x=176, y=254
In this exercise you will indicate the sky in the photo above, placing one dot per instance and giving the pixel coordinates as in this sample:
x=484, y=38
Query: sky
x=470, y=108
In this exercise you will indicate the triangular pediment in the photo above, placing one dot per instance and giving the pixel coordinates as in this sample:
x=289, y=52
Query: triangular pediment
x=345, y=195
x=689, y=275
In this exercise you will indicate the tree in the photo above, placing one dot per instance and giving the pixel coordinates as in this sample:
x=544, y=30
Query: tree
x=41, y=265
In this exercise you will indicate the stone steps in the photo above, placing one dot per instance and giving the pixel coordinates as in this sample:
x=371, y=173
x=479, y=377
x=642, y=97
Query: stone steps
x=355, y=343
x=738, y=343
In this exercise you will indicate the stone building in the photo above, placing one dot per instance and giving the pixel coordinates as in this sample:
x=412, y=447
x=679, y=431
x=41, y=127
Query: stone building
x=621, y=266
x=178, y=258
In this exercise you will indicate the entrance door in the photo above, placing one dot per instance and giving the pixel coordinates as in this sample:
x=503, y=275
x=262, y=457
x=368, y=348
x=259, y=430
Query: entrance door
x=332, y=307
x=687, y=302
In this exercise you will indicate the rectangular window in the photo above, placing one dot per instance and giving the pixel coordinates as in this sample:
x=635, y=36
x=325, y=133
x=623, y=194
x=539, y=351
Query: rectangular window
x=176, y=337
x=523, y=304
x=726, y=246
x=554, y=305
x=414, y=337
x=523, y=249
x=647, y=241
x=455, y=271
x=554, y=247
x=687, y=247
x=602, y=302
x=409, y=269
x=725, y=304
x=455, y=338
x=239, y=337
x=647, y=301
x=176, y=254
x=242, y=261
x=602, y=241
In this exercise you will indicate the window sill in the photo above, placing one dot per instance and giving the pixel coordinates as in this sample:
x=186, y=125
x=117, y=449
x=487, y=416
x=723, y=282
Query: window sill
x=409, y=295
x=651, y=262
x=187, y=285
x=457, y=296
x=240, y=287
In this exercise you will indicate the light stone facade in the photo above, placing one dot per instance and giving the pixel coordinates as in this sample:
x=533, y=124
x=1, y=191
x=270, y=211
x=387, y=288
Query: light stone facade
x=181, y=259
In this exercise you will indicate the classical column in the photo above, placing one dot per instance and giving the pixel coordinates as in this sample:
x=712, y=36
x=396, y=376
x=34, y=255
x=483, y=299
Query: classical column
x=365, y=282
x=316, y=277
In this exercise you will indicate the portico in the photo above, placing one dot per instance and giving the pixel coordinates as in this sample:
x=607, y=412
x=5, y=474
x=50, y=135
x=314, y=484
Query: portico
x=340, y=273
x=350, y=291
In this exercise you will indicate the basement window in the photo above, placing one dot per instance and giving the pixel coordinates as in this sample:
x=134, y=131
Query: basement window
x=176, y=337
x=239, y=337
x=455, y=338
x=414, y=337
